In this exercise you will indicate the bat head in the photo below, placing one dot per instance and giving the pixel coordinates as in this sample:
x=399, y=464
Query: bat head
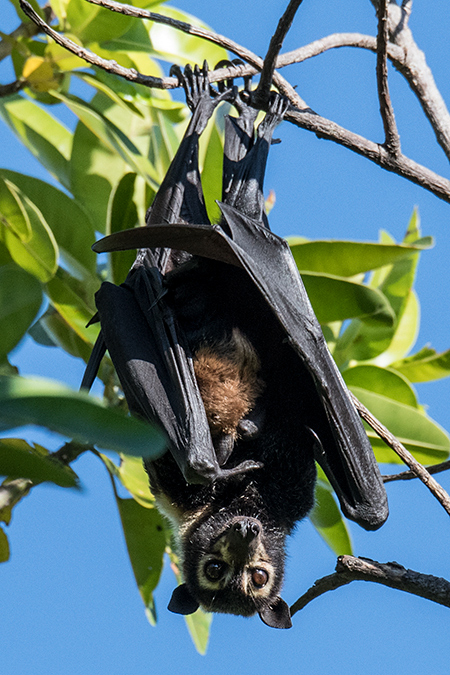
x=234, y=567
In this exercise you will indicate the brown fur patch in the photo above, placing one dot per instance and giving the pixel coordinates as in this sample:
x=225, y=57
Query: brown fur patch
x=227, y=376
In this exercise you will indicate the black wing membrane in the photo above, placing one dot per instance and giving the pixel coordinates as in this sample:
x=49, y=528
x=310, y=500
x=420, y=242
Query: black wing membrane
x=154, y=364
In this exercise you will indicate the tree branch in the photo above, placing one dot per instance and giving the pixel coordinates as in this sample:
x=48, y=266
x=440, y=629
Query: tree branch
x=404, y=454
x=418, y=74
x=393, y=575
x=261, y=94
x=409, y=475
x=392, y=140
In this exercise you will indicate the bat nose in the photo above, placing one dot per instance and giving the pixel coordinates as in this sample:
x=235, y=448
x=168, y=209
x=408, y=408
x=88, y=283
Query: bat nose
x=246, y=529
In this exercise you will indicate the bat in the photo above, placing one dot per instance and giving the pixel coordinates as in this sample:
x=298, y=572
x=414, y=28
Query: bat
x=214, y=340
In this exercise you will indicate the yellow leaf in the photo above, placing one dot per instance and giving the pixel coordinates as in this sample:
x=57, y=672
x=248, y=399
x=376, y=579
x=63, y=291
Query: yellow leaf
x=40, y=74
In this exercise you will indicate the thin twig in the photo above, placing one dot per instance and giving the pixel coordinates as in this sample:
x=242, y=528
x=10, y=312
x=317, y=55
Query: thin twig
x=419, y=75
x=392, y=140
x=409, y=475
x=393, y=575
x=336, y=41
x=265, y=83
x=404, y=454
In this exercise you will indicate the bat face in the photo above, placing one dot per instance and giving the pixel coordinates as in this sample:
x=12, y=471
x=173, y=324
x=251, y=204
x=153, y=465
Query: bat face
x=213, y=338
x=236, y=570
x=232, y=565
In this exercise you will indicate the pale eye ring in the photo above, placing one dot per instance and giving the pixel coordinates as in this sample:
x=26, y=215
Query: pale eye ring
x=259, y=578
x=214, y=570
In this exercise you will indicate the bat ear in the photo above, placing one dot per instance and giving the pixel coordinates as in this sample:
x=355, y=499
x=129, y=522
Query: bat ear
x=182, y=601
x=277, y=615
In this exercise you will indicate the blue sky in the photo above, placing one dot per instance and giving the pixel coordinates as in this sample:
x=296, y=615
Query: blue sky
x=69, y=600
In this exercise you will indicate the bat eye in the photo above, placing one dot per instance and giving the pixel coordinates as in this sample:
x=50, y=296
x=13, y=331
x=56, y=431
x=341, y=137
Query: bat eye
x=259, y=578
x=214, y=570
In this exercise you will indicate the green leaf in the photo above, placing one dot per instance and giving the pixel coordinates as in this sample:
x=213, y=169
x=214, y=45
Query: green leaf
x=362, y=341
x=75, y=414
x=405, y=334
x=46, y=138
x=36, y=249
x=337, y=299
x=93, y=24
x=53, y=331
x=20, y=300
x=212, y=171
x=421, y=435
x=122, y=215
x=348, y=258
x=327, y=519
x=69, y=223
x=177, y=47
x=75, y=302
x=12, y=212
x=135, y=478
x=382, y=381
x=112, y=137
x=425, y=365
x=199, y=625
x=18, y=459
x=146, y=541
x=97, y=167
x=4, y=546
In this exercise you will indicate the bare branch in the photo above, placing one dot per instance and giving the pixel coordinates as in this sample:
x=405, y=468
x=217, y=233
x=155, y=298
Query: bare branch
x=409, y=475
x=401, y=165
x=419, y=76
x=404, y=454
x=393, y=575
x=392, y=140
x=262, y=92
x=335, y=41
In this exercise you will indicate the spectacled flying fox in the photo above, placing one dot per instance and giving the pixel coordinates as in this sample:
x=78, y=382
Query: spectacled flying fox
x=214, y=340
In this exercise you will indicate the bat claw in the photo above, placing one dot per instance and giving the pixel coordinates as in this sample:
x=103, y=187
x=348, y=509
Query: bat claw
x=195, y=82
x=248, y=465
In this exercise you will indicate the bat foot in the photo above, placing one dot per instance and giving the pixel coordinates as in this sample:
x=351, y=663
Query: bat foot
x=278, y=106
x=199, y=93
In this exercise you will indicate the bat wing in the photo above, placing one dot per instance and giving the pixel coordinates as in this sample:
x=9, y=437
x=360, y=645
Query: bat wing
x=156, y=373
x=343, y=449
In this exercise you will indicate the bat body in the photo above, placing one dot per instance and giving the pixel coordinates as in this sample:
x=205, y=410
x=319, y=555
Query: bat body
x=214, y=339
